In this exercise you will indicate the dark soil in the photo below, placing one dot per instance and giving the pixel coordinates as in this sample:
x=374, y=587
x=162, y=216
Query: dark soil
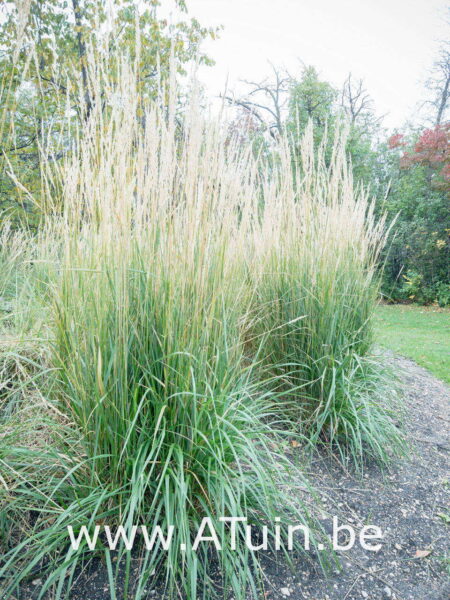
x=411, y=504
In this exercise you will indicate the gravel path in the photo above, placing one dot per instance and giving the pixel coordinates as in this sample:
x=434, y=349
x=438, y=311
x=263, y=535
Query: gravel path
x=410, y=504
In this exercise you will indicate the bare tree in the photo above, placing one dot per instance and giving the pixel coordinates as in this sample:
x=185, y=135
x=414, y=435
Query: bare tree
x=440, y=84
x=266, y=100
x=355, y=100
x=438, y=89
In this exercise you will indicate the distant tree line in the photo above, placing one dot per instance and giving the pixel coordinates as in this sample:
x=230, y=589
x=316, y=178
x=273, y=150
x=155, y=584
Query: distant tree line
x=45, y=92
x=407, y=173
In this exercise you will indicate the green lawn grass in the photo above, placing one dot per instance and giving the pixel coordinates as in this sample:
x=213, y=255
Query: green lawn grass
x=418, y=332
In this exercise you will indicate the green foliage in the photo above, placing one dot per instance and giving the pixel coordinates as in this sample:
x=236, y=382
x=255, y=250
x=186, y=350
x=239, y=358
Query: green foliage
x=442, y=293
x=418, y=253
x=363, y=155
x=310, y=99
x=46, y=77
x=315, y=100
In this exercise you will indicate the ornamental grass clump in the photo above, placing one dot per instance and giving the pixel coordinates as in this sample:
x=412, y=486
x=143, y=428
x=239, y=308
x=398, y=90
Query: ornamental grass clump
x=201, y=306
x=167, y=421
x=316, y=284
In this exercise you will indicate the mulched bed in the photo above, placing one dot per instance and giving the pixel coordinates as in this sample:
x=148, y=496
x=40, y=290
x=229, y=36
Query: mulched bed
x=406, y=503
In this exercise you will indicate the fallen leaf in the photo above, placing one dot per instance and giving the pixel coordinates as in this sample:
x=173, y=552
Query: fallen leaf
x=295, y=444
x=422, y=553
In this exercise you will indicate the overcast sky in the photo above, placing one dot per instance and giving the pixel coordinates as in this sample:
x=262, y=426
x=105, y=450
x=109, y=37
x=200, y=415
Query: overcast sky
x=390, y=43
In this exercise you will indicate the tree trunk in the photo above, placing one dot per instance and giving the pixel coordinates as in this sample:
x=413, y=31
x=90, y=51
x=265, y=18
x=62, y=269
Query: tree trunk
x=82, y=56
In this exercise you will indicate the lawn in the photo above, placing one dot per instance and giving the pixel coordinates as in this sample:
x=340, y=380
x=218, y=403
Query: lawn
x=418, y=332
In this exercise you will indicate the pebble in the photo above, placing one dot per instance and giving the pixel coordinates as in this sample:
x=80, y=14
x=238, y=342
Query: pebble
x=285, y=591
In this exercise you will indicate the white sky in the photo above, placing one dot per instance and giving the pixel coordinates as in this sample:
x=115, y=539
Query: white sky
x=390, y=43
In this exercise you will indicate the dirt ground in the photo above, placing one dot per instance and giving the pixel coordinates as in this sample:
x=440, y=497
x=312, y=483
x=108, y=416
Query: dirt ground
x=411, y=505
